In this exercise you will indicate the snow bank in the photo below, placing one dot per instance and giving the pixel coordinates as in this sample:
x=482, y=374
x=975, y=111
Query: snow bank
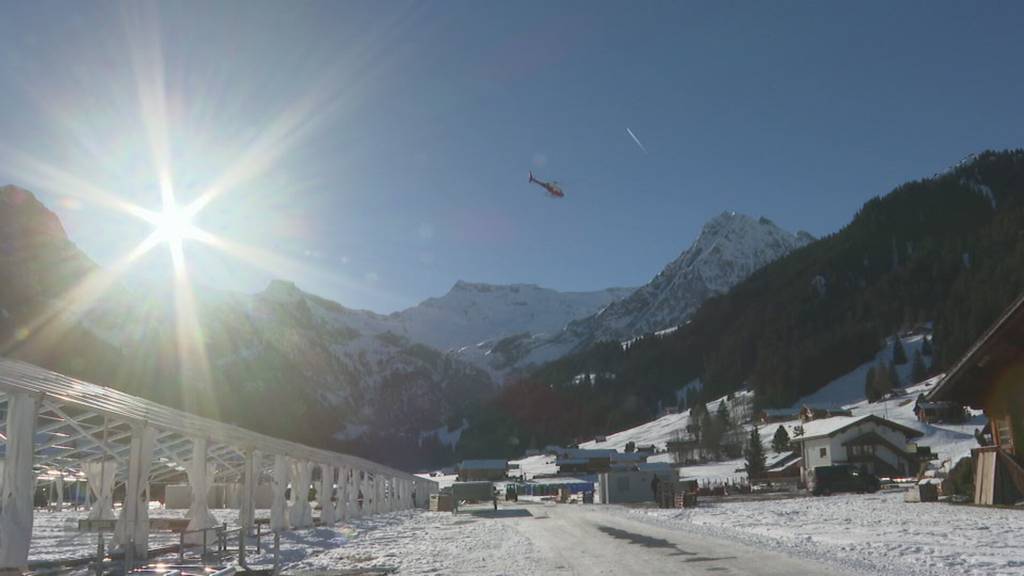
x=874, y=534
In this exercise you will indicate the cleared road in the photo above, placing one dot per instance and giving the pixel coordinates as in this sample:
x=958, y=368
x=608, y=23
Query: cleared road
x=591, y=540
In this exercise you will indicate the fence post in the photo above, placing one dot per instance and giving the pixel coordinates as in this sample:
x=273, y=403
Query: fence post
x=181, y=548
x=259, y=532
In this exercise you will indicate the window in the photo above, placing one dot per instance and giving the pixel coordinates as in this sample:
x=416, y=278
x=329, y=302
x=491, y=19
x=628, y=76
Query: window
x=823, y=452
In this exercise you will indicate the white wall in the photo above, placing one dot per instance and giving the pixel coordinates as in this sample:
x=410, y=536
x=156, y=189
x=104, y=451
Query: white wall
x=836, y=453
x=621, y=487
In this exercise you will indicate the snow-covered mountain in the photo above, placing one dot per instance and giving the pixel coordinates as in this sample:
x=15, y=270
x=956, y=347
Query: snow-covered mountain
x=729, y=248
x=472, y=313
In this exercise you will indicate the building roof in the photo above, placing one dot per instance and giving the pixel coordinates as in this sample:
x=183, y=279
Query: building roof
x=779, y=411
x=483, y=465
x=827, y=427
x=1004, y=337
x=589, y=454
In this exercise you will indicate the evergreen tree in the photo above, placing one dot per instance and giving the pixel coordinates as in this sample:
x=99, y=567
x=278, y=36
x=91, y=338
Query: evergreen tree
x=710, y=435
x=894, y=378
x=870, y=391
x=918, y=371
x=630, y=446
x=926, y=346
x=899, y=354
x=780, y=442
x=755, y=455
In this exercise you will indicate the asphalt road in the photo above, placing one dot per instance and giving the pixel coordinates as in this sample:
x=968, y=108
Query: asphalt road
x=592, y=540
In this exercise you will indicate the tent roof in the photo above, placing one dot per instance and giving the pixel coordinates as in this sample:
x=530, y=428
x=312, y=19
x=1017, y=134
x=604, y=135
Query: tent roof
x=80, y=421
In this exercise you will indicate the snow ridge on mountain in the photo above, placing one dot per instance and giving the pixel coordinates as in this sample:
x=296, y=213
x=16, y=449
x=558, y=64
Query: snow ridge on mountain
x=730, y=247
x=471, y=313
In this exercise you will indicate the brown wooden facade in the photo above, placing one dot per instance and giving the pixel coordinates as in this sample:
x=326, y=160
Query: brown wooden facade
x=990, y=376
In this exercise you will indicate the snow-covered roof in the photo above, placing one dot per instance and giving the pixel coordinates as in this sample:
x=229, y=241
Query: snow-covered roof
x=836, y=424
x=654, y=466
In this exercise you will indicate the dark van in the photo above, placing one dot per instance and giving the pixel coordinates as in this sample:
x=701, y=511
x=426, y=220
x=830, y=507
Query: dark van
x=827, y=480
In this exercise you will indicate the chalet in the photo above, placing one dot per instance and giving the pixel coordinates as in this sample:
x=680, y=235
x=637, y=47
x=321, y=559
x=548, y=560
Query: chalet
x=483, y=470
x=687, y=450
x=810, y=413
x=775, y=415
x=578, y=461
x=990, y=377
x=871, y=442
x=938, y=412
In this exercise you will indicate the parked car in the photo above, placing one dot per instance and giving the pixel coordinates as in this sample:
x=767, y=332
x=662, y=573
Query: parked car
x=825, y=480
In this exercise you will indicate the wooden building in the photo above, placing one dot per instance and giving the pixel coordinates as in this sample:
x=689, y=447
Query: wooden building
x=810, y=413
x=990, y=377
x=483, y=470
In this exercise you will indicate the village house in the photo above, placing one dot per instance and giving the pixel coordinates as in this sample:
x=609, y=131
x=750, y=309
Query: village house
x=870, y=442
x=581, y=461
x=990, y=377
x=775, y=415
x=810, y=413
x=483, y=470
x=938, y=412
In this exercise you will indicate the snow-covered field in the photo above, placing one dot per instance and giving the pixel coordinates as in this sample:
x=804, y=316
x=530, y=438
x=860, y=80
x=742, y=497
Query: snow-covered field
x=415, y=542
x=876, y=534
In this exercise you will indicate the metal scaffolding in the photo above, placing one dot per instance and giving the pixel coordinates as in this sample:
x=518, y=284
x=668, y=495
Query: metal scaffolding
x=78, y=425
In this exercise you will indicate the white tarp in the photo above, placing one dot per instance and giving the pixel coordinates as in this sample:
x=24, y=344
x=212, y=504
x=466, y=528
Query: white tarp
x=18, y=489
x=302, y=477
x=324, y=495
x=133, y=525
x=99, y=475
x=200, y=474
x=279, y=486
x=247, y=504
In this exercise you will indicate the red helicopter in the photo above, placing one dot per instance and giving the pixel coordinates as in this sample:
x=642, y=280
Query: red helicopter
x=552, y=188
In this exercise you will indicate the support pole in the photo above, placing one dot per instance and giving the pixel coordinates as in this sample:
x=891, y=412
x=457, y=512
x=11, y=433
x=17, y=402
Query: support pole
x=132, y=529
x=199, y=474
x=250, y=478
x=18, y=489
x=279, y=485
x=325, y=494
x=59, y=489
x=341, y=509
x=302, y=475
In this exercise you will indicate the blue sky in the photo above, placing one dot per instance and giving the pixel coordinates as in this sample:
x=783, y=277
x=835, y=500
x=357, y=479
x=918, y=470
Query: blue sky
x=378, y=151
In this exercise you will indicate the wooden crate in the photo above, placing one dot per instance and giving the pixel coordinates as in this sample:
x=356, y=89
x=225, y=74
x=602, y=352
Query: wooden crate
x=441, y=502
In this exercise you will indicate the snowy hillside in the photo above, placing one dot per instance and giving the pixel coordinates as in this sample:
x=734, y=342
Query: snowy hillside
x=950, y=441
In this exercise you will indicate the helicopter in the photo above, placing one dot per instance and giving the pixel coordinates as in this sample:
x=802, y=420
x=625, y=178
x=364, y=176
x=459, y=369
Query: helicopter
x=552, y=188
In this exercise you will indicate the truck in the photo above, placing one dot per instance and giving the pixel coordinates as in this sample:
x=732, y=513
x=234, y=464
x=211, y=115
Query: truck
x=826, y=480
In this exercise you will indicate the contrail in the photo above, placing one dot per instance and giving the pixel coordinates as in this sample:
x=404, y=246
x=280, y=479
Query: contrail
x=635, y=139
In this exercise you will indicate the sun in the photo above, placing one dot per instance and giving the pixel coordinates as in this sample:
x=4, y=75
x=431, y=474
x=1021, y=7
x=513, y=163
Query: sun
x=173, y=224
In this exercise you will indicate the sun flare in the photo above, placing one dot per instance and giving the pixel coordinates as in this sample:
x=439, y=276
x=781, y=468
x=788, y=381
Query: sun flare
x=173, y=224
